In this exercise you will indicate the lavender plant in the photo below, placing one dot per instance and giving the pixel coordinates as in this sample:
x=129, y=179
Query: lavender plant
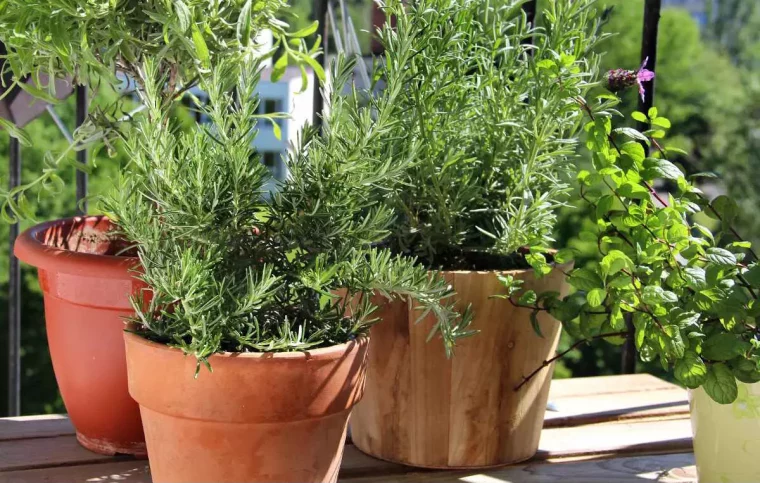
x=692, y=294
x=492, y=132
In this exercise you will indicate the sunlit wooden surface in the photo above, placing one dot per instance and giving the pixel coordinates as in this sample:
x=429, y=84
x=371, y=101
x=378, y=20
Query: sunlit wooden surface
x=616, y=428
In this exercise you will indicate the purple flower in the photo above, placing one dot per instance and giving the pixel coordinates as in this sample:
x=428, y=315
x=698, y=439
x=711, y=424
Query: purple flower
x=620, y=79
x=643, y=75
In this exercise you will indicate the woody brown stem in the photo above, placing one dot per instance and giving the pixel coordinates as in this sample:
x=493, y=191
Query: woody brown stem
x=562, y=354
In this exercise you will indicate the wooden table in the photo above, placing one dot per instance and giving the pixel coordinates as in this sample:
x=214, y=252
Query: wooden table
x=605, y=429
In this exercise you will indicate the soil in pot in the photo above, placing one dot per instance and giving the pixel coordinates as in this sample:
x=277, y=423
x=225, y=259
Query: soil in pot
x=422, y=409
x=86, y=280
x=254, y=418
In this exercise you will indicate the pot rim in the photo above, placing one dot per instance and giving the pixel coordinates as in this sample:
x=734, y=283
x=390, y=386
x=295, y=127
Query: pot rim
x=323, y=353
x=29, y=248
x=554, y=265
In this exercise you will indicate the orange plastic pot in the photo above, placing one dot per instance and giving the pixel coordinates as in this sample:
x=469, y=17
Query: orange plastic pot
x=254, y=418
x=86, y=288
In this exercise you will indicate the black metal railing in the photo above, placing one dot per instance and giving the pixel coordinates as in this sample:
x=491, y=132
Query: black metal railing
x=628, y=364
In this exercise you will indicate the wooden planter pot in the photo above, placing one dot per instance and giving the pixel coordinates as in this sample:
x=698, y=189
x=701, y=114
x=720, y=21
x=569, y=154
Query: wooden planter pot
x=422, y=409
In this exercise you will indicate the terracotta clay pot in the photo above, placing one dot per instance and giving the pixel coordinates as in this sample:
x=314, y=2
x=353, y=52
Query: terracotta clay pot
x=86, y=288
x=255, y=418
x=422, y=409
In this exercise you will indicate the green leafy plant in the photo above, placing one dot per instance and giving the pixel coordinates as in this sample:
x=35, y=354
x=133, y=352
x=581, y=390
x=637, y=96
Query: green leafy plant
x=108, y=41
x=492, y=132
x=231, y=270
x=691, y=295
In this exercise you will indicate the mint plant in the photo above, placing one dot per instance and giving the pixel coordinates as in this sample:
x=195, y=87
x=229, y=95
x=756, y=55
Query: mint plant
x=692, y=294
x=491, y=131
x=108, y=41
x=232, y=270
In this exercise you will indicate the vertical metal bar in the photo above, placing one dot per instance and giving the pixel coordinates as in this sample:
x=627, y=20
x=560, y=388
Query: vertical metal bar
x=649, y=50
x=320, y=14
x=82, y=108
x=14, y=295
x=649, y=55
x=530, y=8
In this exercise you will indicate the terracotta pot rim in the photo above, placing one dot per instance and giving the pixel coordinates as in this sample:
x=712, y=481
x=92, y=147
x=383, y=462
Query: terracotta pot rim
x=324, y=353
x=30, y=249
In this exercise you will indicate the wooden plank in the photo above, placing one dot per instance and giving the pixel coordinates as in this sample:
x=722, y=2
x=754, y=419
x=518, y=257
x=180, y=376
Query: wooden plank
x=666, y=436
x=45, y=452
x=675, y=468
x=592, y=386
x=35, y=427
x=640, y=437
x=606, y=398
x=109, y=472
x=672, y=468
x=577, y=410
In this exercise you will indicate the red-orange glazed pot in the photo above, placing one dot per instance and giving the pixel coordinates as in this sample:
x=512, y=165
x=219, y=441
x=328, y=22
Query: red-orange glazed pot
x=258, y=417
x=86, y=288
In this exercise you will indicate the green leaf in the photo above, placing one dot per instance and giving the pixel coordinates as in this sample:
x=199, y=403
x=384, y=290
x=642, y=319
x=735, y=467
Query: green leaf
x=546, y=64
x=662, y=168
x=685, y=319
x=276, y=129
x=634, y=150
x=591, y=324
x=661, y=122
x=723, y=347
x=604, y=205
x=528, y=298
x=691, y=371
x=585, y=279
x=615, y=261
x=201, y=49
x=315, y=65
x=720, y=257
x=631, y=133
x=694, y=277
x=746, y=371
x=534, y=323
x=569, y=308
x=596, y=297
x=652, y=113
x=634, y=191
x=16, y=132
x=38, y=93
x=753, y=275
x=639, y=116
x=280, y=67
x=725, y=207
x=184, y=17
x=720, y=384
x=244, y=24
x=564, y=256
x=306, y=31
x=656, y=295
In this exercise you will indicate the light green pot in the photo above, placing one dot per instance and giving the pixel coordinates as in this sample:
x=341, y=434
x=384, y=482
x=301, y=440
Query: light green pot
x=727, y=437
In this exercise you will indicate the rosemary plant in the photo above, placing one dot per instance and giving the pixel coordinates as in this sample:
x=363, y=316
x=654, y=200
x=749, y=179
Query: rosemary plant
x=231, y=270
x=492, y=131
x=107, y=41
